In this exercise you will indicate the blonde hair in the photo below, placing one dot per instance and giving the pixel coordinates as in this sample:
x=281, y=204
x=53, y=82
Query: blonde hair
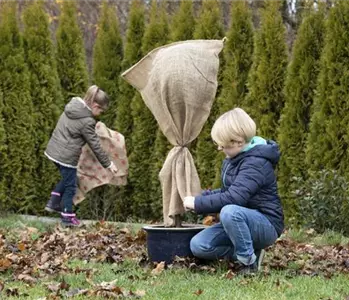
x=95, y=95
x=234, y=125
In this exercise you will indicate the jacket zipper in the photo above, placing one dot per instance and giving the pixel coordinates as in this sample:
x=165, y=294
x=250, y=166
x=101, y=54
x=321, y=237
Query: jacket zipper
x=224, y=173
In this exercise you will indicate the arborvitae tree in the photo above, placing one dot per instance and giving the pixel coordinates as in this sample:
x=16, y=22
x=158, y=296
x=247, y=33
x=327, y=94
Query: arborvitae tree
x=3, y=156
x=328, y=140
x=161, y=144
x=145, y=126
x=71, y=57
x=132, y=54
x=124, y=121
x=45, y=93
x=209, y=26
x=183, y=22
x=301, y=79
x=266, y=79
x=107, y=58
x=238, y=52
x=17, y=113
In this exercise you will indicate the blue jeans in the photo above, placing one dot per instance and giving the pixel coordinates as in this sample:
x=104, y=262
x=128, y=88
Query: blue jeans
x=67, y=186
x=240, y=232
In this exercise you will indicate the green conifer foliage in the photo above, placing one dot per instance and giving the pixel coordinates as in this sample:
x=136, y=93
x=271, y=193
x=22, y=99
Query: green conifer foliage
x=301, y=79
x=266, y=79
x=145, y=126
x=183, y=22
x=328, y=140
x=45, y=93
x=107, y=58
x=17, y=113
x=124, y=120
x=71, y=57
x=208, y=26
x=3, y=156
x=132, y=54
x=238, y=51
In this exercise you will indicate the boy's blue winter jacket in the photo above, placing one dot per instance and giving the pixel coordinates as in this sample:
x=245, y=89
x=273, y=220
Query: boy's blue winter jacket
x=248, y=180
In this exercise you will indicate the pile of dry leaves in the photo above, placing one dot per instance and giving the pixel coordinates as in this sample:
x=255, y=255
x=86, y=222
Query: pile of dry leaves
x=30, y=260
x=33, y=259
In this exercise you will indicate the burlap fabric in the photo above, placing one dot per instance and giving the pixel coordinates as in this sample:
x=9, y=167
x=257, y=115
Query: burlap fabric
x=91, y=173
x=178, y=83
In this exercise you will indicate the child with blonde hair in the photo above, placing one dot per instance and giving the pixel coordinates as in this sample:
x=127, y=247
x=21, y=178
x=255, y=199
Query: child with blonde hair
x=251, y=215
x=75, y=128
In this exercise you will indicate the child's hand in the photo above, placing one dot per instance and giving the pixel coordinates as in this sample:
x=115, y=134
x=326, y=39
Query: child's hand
x=113, y=168
x=188, y=203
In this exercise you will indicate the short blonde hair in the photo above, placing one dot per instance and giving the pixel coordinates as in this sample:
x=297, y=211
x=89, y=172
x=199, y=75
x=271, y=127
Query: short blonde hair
x=95, y=95
x=234, y=125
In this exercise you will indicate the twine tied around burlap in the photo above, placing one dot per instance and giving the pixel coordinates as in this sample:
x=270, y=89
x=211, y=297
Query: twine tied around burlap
x=178, y=83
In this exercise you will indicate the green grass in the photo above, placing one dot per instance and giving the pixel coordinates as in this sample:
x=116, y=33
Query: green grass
x=182, y=283
x=9, y=222
x=329, y=237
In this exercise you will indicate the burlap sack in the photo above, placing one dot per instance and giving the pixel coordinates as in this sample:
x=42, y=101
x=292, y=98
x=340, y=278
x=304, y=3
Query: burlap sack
x=91, y=173
x=178, y=83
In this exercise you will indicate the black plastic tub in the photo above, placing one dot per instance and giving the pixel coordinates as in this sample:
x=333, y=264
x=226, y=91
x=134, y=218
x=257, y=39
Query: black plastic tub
x=164, y=243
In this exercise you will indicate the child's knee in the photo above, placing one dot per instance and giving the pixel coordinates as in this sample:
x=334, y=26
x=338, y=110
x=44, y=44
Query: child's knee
x=230, y=213
x=198, y=247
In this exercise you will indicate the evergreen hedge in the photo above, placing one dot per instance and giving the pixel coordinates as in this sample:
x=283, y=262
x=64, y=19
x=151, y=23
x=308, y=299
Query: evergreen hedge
x=328, y=140
x=265, y=99
x=301, y=79
x=71, y=57
x=17, y=114
x=45, y=93
x=208, y=26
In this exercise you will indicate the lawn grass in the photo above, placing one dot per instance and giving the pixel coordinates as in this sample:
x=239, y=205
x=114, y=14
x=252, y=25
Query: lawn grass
x=182, y=283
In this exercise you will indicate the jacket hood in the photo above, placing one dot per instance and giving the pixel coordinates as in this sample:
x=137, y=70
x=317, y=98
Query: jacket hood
x=269, y=151
x=77, y=109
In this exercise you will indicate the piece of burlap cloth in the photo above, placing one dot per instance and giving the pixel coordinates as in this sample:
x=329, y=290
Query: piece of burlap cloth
x=178, y=83
x=91, y=173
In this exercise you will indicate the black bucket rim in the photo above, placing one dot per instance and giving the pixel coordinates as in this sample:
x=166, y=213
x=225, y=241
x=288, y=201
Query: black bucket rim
x=186, y=227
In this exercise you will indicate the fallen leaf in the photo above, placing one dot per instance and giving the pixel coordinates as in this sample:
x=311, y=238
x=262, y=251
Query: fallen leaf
x=44, y=257
x=229, y=275
x=21, y=246
x=12, y=292
x=125, y=230
x=208, y=220
x=64, y=286
x=198, y=292
x=5, y=264
x=159, y=268
x=2, y=286
x=310, y=231
x=76, y=292
x=26, y=278
x=53, y=287
x=32, y=230
x=139, y=293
